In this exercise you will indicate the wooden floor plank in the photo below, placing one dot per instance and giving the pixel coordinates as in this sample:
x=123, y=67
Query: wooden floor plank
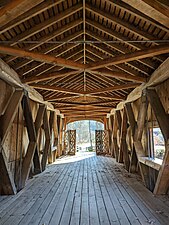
x=116, y=207
x=66, y=213
x=76, y=208
x=143, y=215
x=41, y=205
x=22, y=209
x=84, y=215
x=103, y=216
x=93, y=208
x=57, y=215
x=82, y=190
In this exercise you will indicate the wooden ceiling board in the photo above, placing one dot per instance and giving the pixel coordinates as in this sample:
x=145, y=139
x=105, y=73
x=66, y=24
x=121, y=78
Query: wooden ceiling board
x=112, y=30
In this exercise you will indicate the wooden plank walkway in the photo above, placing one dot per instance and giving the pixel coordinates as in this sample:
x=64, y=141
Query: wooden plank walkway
x=82, y=190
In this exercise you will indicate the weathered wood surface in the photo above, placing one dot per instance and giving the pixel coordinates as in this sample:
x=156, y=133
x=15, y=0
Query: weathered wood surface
x=82, y=189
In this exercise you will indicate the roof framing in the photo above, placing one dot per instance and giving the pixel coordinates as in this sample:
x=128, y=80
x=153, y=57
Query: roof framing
x=84, y=56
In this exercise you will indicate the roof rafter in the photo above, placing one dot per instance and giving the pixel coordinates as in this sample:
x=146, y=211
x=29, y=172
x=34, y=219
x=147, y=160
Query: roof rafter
x=53, y=47
x=124, y=24
x=140, y=54
x=121, y=75
x=29, y=13
x=15, y=8
x=119, y=48
x=41, y=57
x=117, y=35
x=64, y=90
x=48, y=76
x=114, y=88
x=151, y=8
x=135, y=11
x=47, y=23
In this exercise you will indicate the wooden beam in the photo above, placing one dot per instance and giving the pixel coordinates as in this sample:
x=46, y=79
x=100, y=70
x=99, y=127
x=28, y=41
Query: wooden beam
x=112, y=18
x=131, y=117
x=29, y=13
x=85, y=116
x=45, y=39
x=83, y=107
x=114, y=138
x=9, y=115
x=85, y=113
x=114, y=88
x=64, y=90
x=47, y=23
x=85, y=110
x=140, y=152
x=28, y=158
x=70, y=120
x=38, y=123
x=120, y=48
x=140, y=54
x=7, y=185
x=51, y=125
x=151, y=8
x=136, y=11
x=47, y=140
x=54, y=88
x=159, y=111
x=84, y=103
x=121, y=75
x=123, y=149
x=64, y=97
x=162, y=183
x=123, y=39
x=49, y=76
x=133, y=124
x=163, y=9
x=115, y=97
x=15, y=8
x=41, y=57
x=36, y=65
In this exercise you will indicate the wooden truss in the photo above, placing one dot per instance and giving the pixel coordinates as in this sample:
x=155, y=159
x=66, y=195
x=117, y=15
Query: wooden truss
x=123, y=120
x=32, y=160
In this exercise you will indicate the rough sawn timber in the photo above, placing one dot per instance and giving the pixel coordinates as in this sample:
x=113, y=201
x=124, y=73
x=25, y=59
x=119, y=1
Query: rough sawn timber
x=81, y=189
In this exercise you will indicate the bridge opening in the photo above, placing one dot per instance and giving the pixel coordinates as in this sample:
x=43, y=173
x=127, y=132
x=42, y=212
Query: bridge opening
x=85, y=134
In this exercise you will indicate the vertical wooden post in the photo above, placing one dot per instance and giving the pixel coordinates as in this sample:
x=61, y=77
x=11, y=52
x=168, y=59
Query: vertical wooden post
x=114, y=137
x=105, y=123
x=55, y=131
x=58, y=126
x=111, y=135
x=64, y=130
x=51, y=124
x=28, y=159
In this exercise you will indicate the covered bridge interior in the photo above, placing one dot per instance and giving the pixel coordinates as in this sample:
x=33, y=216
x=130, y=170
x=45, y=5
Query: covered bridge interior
x=69, y=60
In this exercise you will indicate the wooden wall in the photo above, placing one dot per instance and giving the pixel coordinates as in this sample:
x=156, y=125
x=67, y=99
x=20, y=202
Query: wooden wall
x=29, y=137
x=129, y=127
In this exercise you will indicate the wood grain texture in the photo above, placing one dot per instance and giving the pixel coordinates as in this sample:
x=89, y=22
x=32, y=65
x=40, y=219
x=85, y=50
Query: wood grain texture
x=89, y=190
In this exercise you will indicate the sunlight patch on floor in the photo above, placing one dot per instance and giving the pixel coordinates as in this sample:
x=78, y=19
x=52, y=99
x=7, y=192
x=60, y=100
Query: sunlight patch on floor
x=79, y=156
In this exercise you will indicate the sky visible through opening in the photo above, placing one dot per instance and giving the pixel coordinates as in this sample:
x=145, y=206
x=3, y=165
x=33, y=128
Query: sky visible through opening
x=85, y=132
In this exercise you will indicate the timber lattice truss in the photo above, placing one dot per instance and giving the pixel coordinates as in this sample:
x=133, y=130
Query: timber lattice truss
x=34, y=159
x=124, y=125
